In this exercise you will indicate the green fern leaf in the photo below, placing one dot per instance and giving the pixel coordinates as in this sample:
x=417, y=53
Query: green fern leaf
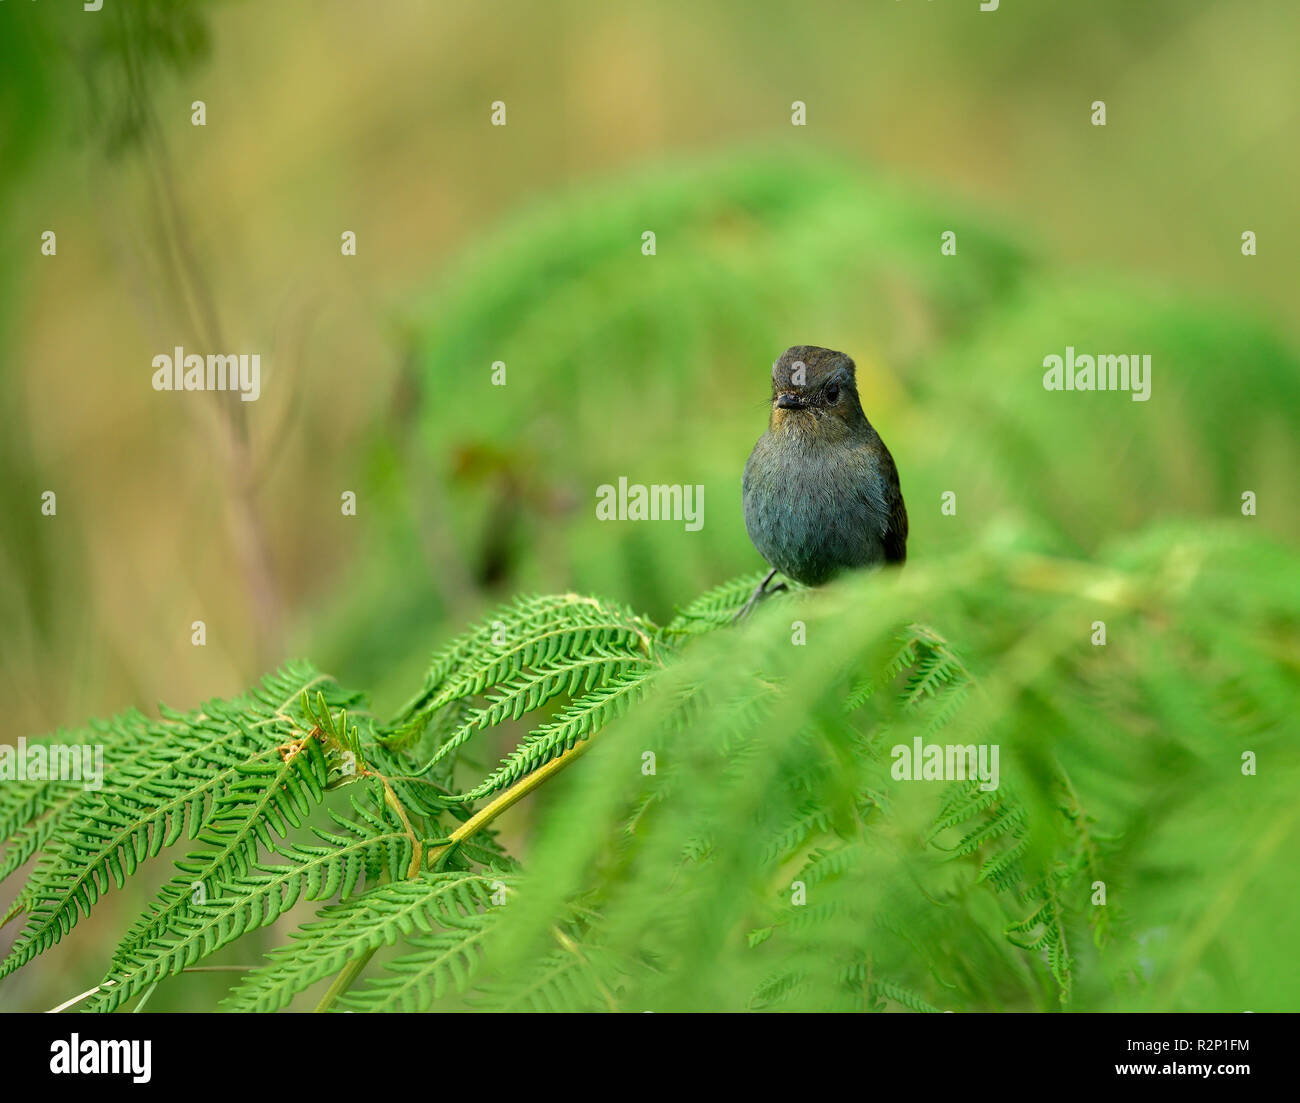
x=345, y=931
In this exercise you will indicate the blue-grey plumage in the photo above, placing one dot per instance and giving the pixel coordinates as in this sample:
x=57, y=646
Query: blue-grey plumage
x=821, y=491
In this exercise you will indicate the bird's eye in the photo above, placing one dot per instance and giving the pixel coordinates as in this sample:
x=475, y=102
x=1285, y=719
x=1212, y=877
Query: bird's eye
x=832, y=392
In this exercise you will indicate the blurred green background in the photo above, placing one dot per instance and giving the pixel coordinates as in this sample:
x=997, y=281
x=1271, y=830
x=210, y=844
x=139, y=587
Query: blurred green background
x=522, y=244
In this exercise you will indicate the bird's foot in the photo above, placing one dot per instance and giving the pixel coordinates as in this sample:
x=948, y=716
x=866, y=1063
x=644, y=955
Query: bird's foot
x=760, y=591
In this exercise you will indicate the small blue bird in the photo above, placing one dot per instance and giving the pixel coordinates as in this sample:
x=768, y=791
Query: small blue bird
x=821, y=491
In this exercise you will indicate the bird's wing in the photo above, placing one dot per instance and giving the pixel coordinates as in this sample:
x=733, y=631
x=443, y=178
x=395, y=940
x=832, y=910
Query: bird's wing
x=895, y=534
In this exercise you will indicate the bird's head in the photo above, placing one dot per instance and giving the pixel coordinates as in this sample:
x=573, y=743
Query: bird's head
x=815, y=391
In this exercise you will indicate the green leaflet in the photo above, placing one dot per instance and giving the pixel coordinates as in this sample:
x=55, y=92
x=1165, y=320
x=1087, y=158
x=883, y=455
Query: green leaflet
x=344, y=931
x=577, y=721
x=367, y=847
x=185, y=772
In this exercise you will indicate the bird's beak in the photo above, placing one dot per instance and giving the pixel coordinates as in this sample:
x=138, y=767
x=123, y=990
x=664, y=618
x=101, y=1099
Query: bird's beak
x=786, y=400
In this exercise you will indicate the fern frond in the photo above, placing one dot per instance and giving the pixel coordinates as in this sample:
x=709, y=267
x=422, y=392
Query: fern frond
x=714, y=608
x=34, y=809
x=437, y=964
x=1047, y=919
x=577, y=721
x=887, y=990
x=1007, y=818
x=1004, y=869
x=369, y=847
x=814, y=819
x=963, y=803
x=344, y=931
x=269, y=797
x=533, y=688
x=528, y=632
x=190, y=772
x=776, y=988
x=575, y=977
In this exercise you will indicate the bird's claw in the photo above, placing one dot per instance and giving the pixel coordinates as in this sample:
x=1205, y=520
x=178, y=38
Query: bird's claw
x=760, y=591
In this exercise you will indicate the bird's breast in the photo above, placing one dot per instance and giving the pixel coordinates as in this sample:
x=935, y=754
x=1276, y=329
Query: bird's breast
x=813, y=511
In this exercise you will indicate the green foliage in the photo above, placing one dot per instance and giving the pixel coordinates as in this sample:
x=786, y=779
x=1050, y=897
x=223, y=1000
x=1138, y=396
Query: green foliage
x=426, y=903
x=1127, y=463
x=217, y=775
x=739, y=836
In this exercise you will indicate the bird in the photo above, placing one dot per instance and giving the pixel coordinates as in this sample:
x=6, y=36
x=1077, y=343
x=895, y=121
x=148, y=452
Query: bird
x=820, y=491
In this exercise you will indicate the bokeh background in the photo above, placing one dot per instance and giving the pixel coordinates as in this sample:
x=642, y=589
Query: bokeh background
x=522, y=244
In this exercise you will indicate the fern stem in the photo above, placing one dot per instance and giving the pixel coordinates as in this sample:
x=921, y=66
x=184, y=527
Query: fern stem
x=145, y=998
x=417, y=848
x=573, y=948
x=352, y=969
x=511, y=796
x=75, y=999
x=343, y=981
